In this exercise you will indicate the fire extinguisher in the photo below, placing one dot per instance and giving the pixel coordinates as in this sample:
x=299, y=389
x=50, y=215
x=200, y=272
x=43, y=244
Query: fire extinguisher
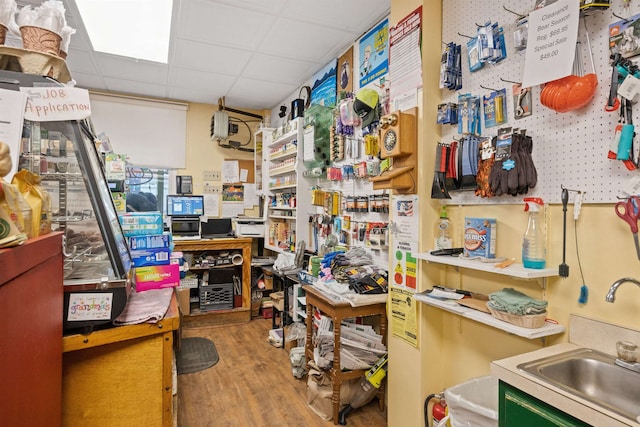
x=439, y=412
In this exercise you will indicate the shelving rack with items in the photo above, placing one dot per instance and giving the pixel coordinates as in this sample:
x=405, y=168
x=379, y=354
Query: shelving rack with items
x=513, y=270
x=284, y=187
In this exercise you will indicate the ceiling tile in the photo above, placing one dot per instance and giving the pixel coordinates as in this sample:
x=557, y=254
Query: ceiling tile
x=302, y=40
x=349, y=16
x=193, y=79
x=136, y=87
x=89, y=81
x=131, y=69
x=81, y=61
x=257, y=94
x=277, y=69
x=200, y=95
x=200, y=56
x=223, y=24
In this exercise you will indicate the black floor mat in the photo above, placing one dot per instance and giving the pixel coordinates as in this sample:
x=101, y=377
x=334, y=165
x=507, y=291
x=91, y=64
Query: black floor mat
x=196, y=354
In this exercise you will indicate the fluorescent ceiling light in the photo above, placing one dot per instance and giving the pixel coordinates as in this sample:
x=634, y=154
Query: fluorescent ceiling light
x=135, y=28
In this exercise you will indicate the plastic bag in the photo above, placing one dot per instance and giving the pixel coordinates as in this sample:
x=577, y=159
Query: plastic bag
x=38, y=199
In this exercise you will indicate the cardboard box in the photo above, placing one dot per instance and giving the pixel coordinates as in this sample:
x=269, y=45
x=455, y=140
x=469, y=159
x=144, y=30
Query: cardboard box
x=184, y=302
x=147, y=257
x=278, y=300
x=155, y=241
x=480, y=237
x=141, y=223
x=157, y=277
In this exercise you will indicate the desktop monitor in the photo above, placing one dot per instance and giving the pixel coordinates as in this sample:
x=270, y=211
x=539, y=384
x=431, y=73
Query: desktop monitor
x=180, y=205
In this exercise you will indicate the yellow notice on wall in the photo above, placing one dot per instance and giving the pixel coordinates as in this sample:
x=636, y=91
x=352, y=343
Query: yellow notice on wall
x=403, y=315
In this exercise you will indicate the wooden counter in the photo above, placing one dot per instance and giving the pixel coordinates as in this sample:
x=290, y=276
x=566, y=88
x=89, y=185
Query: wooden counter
x=120, y=376
x=31, y=318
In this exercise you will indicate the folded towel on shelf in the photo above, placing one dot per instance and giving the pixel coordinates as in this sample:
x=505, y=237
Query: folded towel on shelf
x=148, y=306
x=515, y=302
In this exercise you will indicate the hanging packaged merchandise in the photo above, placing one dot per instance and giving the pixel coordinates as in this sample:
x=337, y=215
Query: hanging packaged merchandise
x=500, y=48
x=522, y=105
x=473, y=53
x=453, y=180
x=485, y=164
x=495, y=108
x=439, y=188
x=520, y=34
x=513, y=171
x=485, y=42
x=468, y=161
x=469, y=115
x=447, y=114
x=450, y=71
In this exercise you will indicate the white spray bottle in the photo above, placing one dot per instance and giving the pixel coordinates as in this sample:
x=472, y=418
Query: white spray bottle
x=534, y=251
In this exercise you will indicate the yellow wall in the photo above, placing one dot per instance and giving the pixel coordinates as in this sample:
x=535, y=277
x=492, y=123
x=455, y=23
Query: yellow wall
x=205, y=154
x=453, y=349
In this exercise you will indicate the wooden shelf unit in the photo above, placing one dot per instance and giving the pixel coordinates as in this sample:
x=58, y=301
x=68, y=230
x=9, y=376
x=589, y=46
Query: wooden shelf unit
x=236, y=314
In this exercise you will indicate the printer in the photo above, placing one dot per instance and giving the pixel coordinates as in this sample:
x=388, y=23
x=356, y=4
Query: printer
x=246, y=226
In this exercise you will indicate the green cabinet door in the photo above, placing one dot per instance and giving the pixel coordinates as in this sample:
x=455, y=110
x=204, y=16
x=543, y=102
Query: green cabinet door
x=518, y=409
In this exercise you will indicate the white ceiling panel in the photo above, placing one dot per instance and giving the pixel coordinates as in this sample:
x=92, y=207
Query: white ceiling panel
x=136, y=87
x=81, y=61
x=194, y=79
x=255, y=53
x=303, y=40
x=351, y=15
x=251, y=93
x=132, y=69
x=283, y=70
x=220, y=24
x=89, y=81
x=207, y=57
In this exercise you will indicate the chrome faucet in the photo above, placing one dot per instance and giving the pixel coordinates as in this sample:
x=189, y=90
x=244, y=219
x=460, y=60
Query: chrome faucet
x=611, y=295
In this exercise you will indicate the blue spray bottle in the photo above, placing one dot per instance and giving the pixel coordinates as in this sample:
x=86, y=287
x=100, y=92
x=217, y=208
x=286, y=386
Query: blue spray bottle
x=534, y=251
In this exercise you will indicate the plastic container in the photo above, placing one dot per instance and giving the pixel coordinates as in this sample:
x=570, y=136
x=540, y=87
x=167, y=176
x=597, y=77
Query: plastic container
x=533, y=242
x=442, y=232
x=473, y=403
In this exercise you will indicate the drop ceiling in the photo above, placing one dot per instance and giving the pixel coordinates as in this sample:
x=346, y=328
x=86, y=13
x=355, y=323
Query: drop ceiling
x=255, y=53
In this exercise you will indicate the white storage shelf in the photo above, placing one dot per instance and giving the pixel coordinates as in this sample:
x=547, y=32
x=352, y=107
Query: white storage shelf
x=292, y=152
x=290, y=218
x=514, y=270
x=288, y=137
x=481, y=317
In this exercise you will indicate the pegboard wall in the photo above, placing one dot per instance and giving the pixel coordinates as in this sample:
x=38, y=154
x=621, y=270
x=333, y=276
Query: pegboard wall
x=570, y=149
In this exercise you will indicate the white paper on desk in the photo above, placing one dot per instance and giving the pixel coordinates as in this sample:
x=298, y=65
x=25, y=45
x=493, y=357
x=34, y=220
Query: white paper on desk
x=12, y=115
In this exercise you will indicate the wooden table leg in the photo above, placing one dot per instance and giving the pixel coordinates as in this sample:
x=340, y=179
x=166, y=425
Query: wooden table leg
x=337, y=377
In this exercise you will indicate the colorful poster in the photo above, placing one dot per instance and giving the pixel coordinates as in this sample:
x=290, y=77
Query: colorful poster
x=323, y=91
x=232, y=193
x=345, y=72
x=405, y=214
x=405, y=61
x=403, y=315
x=373, y=50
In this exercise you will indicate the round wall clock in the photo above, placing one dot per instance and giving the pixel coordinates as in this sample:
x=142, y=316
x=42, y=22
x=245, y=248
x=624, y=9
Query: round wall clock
x=305, y=95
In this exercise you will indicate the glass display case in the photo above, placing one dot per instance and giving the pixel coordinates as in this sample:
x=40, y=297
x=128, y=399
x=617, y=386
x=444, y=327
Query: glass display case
x=63, y=154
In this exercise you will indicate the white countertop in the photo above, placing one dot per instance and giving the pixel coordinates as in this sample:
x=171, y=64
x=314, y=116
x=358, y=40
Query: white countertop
x=506, y=370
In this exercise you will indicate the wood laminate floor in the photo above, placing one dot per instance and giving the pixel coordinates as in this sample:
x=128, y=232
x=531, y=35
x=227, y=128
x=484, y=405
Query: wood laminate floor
x=252, y=385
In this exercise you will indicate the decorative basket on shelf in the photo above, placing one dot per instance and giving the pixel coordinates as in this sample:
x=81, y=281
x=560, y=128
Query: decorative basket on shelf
x=530, y=321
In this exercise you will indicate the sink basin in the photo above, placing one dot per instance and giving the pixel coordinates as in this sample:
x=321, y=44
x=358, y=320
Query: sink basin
x=593, y=376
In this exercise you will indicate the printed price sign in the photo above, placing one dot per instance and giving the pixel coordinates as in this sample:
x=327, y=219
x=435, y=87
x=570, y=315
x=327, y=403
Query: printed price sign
x=553, y=33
